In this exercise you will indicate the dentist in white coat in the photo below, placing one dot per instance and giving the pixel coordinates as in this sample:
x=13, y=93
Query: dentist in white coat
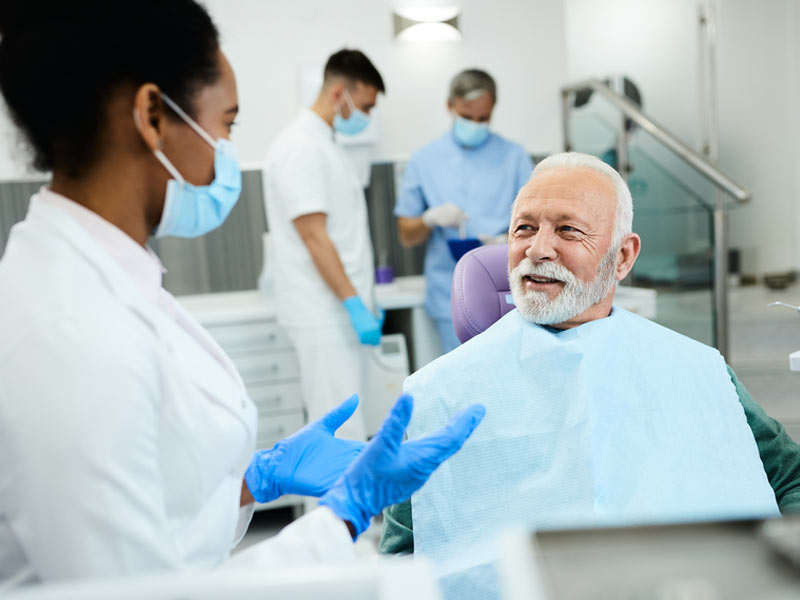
x=126, y=435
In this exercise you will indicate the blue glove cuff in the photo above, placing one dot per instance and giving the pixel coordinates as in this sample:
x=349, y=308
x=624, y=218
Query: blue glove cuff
x=341, y=502
x=260, y=476
x=353, y=302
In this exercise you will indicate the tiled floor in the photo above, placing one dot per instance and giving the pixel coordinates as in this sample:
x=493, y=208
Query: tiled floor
x=761, y=340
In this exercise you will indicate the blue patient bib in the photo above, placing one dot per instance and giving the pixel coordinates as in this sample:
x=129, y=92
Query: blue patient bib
x=619, y=421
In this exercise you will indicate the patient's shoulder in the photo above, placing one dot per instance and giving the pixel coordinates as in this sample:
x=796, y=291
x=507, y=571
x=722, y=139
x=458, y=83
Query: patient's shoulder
x=477, y=356
x=652, y=330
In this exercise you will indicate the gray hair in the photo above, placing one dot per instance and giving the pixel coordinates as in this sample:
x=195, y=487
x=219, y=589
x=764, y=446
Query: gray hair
x=470, y=84
x=623, y=219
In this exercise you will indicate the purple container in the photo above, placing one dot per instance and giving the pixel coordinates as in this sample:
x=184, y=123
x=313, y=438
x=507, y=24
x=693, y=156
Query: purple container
x=459, y=247
x=384, y=275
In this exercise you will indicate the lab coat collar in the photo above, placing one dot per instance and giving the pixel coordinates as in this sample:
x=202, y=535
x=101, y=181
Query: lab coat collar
x=139, y=263
x=219, y=380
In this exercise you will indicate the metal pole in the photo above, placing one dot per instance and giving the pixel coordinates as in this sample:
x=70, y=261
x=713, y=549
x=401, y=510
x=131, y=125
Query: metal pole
x=721, y=340
x=622, y=150
x=565, y=120
x=721, y=324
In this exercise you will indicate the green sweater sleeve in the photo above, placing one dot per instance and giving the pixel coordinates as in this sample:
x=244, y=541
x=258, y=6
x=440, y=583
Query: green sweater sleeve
x=398, y=532
x=780, y=455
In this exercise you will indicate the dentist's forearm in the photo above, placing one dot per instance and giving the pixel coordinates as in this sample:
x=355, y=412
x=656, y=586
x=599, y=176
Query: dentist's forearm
x=412, y=231
x=312, y=231
x=246, y=497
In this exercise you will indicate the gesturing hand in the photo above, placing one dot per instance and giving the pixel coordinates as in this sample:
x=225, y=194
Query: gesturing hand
x=388, y=471
x=306, y=463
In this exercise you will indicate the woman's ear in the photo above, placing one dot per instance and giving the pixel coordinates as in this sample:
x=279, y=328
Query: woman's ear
x=149, y=115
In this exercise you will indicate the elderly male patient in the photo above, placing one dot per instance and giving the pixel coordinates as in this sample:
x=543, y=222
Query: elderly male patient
x=594, y=416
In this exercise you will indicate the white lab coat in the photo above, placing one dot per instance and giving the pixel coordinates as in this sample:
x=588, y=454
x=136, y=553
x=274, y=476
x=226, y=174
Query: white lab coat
x=124, y=434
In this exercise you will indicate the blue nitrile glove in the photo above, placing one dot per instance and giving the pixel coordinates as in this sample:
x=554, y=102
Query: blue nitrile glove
x=388, y=471
x=367, y=326
x=307, y=463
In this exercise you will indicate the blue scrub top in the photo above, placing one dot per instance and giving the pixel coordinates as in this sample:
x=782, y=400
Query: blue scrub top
x=482, y=181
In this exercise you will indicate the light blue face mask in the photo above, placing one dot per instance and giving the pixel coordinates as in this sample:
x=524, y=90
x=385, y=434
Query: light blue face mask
x=355, y=123
x=469, y=133
x=193, y=210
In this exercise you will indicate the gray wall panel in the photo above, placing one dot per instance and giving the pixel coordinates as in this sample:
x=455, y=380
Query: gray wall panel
x=230, y=258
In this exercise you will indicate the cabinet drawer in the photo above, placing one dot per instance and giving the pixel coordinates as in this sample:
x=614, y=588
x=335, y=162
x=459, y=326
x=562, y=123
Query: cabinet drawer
x=256, y=367
x=273, y=428
x=250, y=335
x=276, y=397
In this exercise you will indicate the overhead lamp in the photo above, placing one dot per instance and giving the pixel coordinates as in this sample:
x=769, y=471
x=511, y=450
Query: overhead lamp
x=427, y=24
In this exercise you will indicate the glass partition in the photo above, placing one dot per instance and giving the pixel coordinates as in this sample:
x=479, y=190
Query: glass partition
x=673, y=214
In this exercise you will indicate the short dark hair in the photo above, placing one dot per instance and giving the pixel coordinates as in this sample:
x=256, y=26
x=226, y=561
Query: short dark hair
x=354, y=64
x=60, y=63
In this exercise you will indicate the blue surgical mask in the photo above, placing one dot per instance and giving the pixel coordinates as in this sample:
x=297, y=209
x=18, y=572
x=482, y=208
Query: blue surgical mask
x=469, y=133
x=193, y=210
x=355, y=123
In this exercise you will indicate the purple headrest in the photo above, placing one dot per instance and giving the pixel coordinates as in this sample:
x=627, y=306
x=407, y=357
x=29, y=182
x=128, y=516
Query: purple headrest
x=480, y=294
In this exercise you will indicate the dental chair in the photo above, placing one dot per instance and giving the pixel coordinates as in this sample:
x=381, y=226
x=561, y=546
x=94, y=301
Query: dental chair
x=480, y=293
x=730, y=559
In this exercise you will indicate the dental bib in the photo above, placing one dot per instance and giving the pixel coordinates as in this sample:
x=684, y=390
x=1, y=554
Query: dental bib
x=617, y=422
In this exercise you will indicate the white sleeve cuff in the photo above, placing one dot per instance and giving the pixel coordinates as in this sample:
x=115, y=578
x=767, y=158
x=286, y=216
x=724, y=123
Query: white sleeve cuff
x=318, y=537
x=245, y=516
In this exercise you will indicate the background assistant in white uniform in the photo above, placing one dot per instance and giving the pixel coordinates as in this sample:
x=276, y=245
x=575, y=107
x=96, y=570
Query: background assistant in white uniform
x=317, y=217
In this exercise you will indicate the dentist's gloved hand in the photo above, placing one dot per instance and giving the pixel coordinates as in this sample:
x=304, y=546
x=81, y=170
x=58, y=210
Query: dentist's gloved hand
x=307, y=463
x=367, y=326
x=388, y=471
x=446, y=215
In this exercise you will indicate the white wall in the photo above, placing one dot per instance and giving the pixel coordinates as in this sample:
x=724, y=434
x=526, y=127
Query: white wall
x=520, y=42
x=657, y=43
x=269, y=42
x=13, y=153
x=651, y=41
x=758, y=75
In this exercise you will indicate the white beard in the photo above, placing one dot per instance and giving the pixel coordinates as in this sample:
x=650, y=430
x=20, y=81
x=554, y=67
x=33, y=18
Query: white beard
x=575, y=297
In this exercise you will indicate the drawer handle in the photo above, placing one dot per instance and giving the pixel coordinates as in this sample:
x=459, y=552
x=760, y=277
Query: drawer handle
x=271, y=337
x=274, y=368
x=280, y=430
x=274, y=400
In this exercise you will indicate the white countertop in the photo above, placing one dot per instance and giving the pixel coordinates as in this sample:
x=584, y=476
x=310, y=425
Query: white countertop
x=403, y=292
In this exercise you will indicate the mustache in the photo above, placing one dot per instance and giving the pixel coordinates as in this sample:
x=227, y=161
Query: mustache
x=547, y=269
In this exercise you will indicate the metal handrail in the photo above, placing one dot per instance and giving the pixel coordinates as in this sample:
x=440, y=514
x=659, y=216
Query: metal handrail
x=701, y=164
x=634, y=113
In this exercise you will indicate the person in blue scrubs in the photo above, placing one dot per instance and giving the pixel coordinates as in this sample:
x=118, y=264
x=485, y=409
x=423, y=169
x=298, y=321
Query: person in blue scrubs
x=469, y=176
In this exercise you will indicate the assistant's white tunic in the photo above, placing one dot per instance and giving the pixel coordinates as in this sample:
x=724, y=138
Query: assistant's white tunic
x=307, y=172
x=124, y=430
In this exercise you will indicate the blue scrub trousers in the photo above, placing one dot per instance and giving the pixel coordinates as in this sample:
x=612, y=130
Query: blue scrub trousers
x=447, y=335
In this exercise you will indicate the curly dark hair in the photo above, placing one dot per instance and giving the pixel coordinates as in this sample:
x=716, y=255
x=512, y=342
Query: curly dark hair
x=60, y=62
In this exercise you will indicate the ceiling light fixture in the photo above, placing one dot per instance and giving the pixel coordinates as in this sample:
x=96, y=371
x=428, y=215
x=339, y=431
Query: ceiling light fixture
x=427, y=24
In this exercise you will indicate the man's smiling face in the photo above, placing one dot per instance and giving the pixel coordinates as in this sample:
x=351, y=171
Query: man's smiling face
x=560, y=252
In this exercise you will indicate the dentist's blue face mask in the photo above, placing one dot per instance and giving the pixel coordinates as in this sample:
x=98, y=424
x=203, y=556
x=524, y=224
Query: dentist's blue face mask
x=470, y=133
x=355, y=123
x=193, y=210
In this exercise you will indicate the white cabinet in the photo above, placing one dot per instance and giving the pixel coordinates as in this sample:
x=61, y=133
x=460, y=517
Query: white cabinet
x=244, y=325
